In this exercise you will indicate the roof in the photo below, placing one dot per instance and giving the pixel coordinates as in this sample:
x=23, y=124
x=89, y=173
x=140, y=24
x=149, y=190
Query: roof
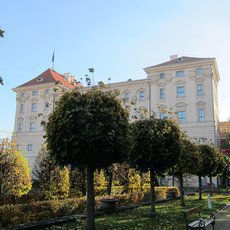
x=182, y=60
x=49, y=76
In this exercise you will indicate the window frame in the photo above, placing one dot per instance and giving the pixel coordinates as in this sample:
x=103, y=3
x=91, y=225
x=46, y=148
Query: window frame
x=181, y=119
x=162, y=93
x=32, y=126
x=179, y=92
x=201, y=115
x=126, y=96
x=34, y=107
x=161, y=75
x=30, y=147
x=199, y=89
x=35, y=93
x=180, y=73
x=142, y=95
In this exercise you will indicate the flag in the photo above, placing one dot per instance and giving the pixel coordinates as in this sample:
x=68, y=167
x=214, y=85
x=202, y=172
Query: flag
x=53, y=57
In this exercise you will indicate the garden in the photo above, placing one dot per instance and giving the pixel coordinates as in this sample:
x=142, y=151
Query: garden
x=92, y=151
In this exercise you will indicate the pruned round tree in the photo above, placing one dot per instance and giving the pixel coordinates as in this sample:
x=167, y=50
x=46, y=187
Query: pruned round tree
x=156, y=147
x=211, y=163
x=90, y=130
x=188, y=162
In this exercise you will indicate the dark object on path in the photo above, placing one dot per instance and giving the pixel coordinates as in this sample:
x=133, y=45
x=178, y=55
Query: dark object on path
x=194, y=221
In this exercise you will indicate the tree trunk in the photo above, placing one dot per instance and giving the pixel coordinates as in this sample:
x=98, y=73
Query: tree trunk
x=200, y=188
x=110, y=181
x=173, y=180
x=218, y=184
x=152, y=191
x=180, y=177
x=90, y=225
x=210, y=181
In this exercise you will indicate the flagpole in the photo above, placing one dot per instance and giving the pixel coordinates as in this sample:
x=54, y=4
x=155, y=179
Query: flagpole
x=53, y=60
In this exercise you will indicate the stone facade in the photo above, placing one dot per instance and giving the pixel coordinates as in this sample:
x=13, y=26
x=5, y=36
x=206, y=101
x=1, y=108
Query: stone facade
x=184, y=88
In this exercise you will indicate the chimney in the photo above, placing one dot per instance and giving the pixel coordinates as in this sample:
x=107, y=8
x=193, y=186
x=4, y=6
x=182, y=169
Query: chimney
x=69, y=77
x=173, y=57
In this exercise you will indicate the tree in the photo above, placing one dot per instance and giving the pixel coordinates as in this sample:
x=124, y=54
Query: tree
x=14, y=171
x=155, y=148
x=53, y=180
x=209, y=167
x=188, y=162
x=90, y=130
x=2, y=33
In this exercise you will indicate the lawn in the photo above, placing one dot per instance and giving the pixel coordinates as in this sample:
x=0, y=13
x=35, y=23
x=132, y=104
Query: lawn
x=168, y=217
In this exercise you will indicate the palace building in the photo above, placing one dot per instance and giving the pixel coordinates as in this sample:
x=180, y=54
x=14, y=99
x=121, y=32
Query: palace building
x=184, y=88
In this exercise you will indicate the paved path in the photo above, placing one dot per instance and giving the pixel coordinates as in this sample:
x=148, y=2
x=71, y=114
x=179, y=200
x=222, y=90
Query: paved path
x=223, y=219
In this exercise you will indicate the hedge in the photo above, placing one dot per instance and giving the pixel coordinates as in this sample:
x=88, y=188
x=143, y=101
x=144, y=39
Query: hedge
x=42, y=210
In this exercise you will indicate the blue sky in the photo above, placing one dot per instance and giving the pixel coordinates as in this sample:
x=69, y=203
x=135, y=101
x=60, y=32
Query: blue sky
x=117, y=38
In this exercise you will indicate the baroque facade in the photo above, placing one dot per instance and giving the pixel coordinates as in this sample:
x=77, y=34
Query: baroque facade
x=184, y=88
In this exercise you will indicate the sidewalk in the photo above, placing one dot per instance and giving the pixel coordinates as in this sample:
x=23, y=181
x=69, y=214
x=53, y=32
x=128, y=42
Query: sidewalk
x=223, y=218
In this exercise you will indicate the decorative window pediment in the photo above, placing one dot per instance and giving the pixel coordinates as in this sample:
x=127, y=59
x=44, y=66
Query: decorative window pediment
x=181, y=104
x=180, y=82
x=200, y=103
x=32, y=117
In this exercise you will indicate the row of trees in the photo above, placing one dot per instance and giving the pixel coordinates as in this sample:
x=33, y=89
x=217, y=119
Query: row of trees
x=91, y=131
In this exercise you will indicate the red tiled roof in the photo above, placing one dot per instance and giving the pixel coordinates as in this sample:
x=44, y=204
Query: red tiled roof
x=180, y=60
x=49, y=76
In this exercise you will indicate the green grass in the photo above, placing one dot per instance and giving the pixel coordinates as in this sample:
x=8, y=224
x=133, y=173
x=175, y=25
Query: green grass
x=168, y=217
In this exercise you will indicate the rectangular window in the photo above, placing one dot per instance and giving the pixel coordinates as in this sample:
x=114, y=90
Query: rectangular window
x=35, y=93
x=199, y=89
x=162, y=93
x=199, y=71
x=29, y=147
x=21, y=108
x=126, y=97
x=142, y=96
x=181, y=115
x=34, y=107
x=162, y=75
x=201, y=115
x=20, y=126
x=180, y=91
x=179, y=73
x=32, y=127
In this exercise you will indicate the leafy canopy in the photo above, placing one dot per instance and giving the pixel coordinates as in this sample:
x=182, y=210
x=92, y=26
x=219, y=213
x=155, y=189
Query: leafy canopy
x=14, y=171
x=155, y=144
x=88, y=129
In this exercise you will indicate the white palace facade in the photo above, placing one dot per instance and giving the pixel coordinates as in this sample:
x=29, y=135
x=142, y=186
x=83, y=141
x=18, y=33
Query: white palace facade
x=184, y=88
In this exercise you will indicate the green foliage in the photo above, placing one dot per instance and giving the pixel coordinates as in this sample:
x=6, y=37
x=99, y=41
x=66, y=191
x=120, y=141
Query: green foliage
x=213, y=161
x=88, y=129
x=14, y=171
x=155, y=144
x=53, y=180
x=78, y=182
x=189, y=158
x=2, y=33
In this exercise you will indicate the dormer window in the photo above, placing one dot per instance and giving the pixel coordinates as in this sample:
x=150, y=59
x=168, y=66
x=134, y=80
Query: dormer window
x=40, y=79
